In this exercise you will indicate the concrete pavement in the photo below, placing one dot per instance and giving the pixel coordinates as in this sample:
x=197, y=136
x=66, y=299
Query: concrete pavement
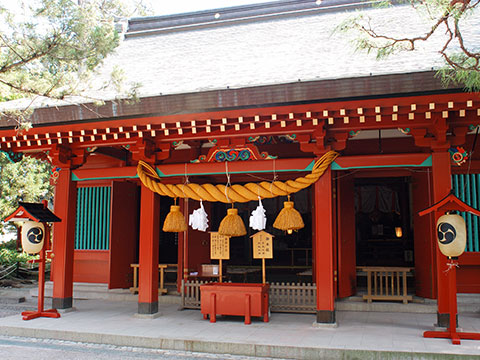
x=359, y=335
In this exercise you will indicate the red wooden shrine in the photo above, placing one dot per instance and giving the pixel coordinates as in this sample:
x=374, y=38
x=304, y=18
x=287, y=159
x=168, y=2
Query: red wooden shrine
x=388, y=129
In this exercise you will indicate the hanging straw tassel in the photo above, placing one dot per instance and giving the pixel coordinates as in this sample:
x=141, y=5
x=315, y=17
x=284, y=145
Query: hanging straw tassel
x=232, y=224
x=174, y=222
x=289, y=218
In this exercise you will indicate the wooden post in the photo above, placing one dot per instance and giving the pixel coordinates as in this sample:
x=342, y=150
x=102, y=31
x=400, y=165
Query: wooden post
x=441, y=178
x=323, y=225
x=263, y=271
x=64, y=240
x=148, y=252
x=220, y=275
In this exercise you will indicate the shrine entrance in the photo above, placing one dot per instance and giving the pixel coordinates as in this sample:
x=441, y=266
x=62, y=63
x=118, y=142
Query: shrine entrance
x=383, y=226
x=375, y=233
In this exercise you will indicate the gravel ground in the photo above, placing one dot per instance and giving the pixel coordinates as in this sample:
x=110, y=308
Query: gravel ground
x=14, y=300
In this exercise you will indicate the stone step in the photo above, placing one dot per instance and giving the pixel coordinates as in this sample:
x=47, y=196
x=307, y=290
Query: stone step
x=467, y=303
x=83, y=291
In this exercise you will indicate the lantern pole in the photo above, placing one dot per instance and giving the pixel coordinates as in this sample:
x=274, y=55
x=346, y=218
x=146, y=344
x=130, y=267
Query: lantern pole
x=51, y=313
x=451, y=332
x=447, y=204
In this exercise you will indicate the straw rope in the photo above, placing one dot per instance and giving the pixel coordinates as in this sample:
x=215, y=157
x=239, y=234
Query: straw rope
x=233, y=193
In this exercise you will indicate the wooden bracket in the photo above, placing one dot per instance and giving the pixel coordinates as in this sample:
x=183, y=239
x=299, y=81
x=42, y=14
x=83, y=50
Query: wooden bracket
x=144, y=150
x=307, y=146
x=459, y=136
x=340, y=142
x=164, y=152
x=61, y=155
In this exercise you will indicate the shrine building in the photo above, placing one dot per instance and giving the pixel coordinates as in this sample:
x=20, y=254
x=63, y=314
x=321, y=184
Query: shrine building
x=251, y=94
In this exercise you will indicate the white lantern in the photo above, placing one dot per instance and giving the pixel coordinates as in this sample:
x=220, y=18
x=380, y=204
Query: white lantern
x=451, y=235
x=33, y=237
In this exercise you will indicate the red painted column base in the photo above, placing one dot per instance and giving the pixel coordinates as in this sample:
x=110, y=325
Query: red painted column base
x=50, y=313
x=454, y=335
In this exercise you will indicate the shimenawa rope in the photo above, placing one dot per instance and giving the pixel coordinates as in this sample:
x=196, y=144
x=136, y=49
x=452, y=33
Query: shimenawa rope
x=233, y=193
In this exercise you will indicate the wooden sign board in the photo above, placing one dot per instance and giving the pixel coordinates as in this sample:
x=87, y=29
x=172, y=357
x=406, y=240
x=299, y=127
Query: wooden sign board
x=219, y=246
x=262, y=245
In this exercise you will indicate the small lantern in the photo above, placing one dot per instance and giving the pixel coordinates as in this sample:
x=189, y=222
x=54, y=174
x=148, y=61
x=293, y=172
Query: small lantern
x=451, y=235
x=33, y=237
x=398, y=231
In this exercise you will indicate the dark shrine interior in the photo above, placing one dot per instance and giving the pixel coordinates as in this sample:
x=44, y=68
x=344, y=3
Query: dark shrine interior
x=383, y=235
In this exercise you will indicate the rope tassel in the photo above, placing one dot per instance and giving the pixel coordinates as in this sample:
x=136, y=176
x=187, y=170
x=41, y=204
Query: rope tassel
x=289, y=219
x=232, y=224
x=175, y=221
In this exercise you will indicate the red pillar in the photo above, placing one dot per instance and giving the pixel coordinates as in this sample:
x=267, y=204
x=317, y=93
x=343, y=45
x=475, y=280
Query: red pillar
x=323, y=225
x=64, y=240
x=148, y=252
x=442, y=185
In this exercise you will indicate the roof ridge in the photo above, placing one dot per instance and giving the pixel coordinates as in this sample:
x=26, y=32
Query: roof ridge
x=153, y=25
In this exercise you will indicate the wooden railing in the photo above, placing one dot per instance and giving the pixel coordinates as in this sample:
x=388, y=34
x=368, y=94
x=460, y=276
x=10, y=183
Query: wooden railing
x=387, y=283
x=293, y=297
x=284, y=297
x=161, y=271
x=191, y=293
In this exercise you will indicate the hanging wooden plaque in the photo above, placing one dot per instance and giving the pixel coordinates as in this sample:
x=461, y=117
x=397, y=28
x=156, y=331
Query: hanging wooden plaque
x=262, y=245
x=219, y=246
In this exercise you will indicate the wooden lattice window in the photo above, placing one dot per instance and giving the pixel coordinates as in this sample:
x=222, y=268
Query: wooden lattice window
x=93, y=218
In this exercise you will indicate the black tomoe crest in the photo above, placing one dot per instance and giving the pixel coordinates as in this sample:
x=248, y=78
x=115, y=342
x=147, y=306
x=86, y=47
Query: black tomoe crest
x=446, y=233
x=33, y=237
x=451, y=235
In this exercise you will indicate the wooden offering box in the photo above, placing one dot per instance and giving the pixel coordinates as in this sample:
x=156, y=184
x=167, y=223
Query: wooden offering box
x=234, y=299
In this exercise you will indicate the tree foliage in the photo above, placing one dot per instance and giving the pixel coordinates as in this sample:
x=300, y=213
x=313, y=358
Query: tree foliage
x=9, y=254
x=51, y=47
x=26, y=180
x=462, y=57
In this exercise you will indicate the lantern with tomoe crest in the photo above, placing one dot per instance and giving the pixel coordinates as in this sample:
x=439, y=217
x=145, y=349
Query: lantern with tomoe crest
x=451, y=235
x=33, y=237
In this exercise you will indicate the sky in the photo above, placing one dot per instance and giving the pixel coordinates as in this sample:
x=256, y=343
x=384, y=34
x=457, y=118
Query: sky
x=166, y=7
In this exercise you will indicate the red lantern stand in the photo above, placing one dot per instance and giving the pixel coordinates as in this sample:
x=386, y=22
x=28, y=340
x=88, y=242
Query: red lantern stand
x=40, y=312
x=38, y=212
x=451, y=203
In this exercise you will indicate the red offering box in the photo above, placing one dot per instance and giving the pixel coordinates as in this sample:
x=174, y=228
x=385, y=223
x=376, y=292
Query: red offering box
x=234, y=299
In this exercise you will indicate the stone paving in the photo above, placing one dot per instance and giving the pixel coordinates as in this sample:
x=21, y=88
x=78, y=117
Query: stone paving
x=359, y=335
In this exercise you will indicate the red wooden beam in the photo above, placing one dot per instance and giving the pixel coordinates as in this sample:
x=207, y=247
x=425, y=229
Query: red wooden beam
x=193, y=169
x=376, y=161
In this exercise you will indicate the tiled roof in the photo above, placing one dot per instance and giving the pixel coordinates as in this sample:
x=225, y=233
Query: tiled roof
x=274, y=43
x=271, y=51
